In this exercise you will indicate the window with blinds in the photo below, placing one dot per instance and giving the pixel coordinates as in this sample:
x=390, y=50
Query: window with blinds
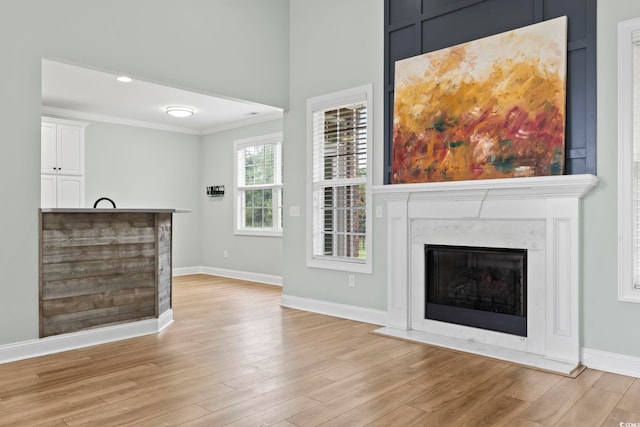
x=340, y=138
x=636, y=157
x=259, y=185
x=629, y=160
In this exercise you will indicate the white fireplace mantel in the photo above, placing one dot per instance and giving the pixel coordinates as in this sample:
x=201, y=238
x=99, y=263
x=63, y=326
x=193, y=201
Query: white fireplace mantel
x=572, y=186
x=540, y=214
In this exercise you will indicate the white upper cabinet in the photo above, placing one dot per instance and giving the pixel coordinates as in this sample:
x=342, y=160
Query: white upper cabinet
x=48, y=142
x=62, y=163
x=70, y=150
x=62, y=147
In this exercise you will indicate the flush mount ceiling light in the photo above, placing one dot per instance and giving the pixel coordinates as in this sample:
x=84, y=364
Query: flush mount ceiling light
x=124, y=79
x=179, y=111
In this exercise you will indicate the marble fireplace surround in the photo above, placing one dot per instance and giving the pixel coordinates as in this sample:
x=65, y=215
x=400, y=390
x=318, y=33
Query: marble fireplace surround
x=540, y=214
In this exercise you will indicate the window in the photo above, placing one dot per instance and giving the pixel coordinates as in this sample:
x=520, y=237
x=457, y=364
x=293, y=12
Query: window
x=259, y=185
x=339, y=138
x=629, y=160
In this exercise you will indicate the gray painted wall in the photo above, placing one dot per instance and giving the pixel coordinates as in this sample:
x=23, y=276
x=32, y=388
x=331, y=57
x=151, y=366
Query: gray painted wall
x=208, y=46
x=317, y=67
x=138, y=167
x=608, y=324
x=245, y=253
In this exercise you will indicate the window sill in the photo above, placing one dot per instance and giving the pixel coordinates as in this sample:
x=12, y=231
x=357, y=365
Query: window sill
x=353, y=267
x=629, y=296
x=258, y=233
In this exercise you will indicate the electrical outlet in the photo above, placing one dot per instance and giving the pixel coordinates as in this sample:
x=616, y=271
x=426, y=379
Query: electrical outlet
x=352, y=281
x=225, y=254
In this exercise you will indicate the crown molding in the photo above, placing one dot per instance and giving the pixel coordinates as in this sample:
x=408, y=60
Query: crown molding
x=244, y=122
x=64, y=121
x=116, y=120
x=80, y=115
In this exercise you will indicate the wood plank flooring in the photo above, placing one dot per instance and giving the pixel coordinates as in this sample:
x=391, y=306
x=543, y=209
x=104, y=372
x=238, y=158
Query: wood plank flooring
x=234, y=357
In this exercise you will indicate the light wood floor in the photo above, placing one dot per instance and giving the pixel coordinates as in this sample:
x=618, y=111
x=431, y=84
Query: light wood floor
x=233, y=356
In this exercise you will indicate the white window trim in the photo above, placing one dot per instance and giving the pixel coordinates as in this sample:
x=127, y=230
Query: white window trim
x=628, y=31
x=353, y=95
x=239, y=144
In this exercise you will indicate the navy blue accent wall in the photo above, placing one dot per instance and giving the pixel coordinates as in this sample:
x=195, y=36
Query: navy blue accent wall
x=413, y=27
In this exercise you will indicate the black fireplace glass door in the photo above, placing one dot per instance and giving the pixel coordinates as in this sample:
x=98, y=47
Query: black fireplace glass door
x=480, y=287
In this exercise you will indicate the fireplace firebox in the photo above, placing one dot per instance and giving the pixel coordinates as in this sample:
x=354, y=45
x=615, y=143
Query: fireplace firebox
x=480, y=287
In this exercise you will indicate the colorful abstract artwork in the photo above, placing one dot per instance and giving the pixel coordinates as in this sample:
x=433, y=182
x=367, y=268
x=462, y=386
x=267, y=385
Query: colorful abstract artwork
x=490, y=108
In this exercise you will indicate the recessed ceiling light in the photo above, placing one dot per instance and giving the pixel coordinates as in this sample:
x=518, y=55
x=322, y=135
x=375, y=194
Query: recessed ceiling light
x=252, y=113
x=124, y=79
x=179, y=111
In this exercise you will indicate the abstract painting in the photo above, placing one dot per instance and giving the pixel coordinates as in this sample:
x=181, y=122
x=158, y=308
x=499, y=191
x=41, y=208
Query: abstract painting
x=489, y=108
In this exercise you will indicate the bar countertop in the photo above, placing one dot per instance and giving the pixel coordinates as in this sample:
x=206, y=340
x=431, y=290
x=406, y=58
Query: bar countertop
x=113, y=210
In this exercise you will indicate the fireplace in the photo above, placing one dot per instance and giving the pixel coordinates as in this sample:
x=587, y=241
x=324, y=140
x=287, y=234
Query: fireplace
x=538, y=215
x=479, y=287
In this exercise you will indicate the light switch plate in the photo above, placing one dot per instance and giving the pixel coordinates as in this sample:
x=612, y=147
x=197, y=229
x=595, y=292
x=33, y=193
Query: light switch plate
x=294, y=210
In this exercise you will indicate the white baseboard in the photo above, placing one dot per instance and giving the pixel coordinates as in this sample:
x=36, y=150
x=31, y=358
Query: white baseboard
x=611, y=362
x=352, y=312
x=64, y=342
x=232, y=274
x=164, y=320
x=185, y=271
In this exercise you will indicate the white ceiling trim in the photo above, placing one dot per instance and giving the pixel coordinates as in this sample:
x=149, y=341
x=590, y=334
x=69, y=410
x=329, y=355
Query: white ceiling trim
x=79, y=115
x=244, y=122
x=115, y=120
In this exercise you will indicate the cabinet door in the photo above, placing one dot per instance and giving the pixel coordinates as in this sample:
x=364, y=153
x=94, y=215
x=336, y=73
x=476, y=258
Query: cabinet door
x=48, y=191
x=48, y=148
x=70, y=150
x=70, y=191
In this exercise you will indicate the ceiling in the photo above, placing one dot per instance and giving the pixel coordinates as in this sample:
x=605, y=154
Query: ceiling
x=82, y=93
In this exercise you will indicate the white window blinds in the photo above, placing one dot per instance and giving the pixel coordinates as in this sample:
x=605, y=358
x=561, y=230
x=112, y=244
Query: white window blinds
x=636, y=157
x=340, y=181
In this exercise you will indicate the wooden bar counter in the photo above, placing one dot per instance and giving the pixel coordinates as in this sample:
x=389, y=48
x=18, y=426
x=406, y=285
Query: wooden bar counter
x=101, y=267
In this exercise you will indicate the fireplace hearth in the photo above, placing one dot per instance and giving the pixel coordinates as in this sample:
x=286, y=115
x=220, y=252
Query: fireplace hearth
x=478, y=287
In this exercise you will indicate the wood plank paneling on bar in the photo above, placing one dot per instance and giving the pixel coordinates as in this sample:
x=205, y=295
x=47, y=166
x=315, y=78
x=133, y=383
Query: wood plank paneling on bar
x=102, y=317
x=164, y=291
x=98, y=269
x=62, y=306
x=91, y=253
x=100, y=236
x=79, y=269
x=164, y=225
x=96, y=220
x=134, y=311
x=86, y=285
